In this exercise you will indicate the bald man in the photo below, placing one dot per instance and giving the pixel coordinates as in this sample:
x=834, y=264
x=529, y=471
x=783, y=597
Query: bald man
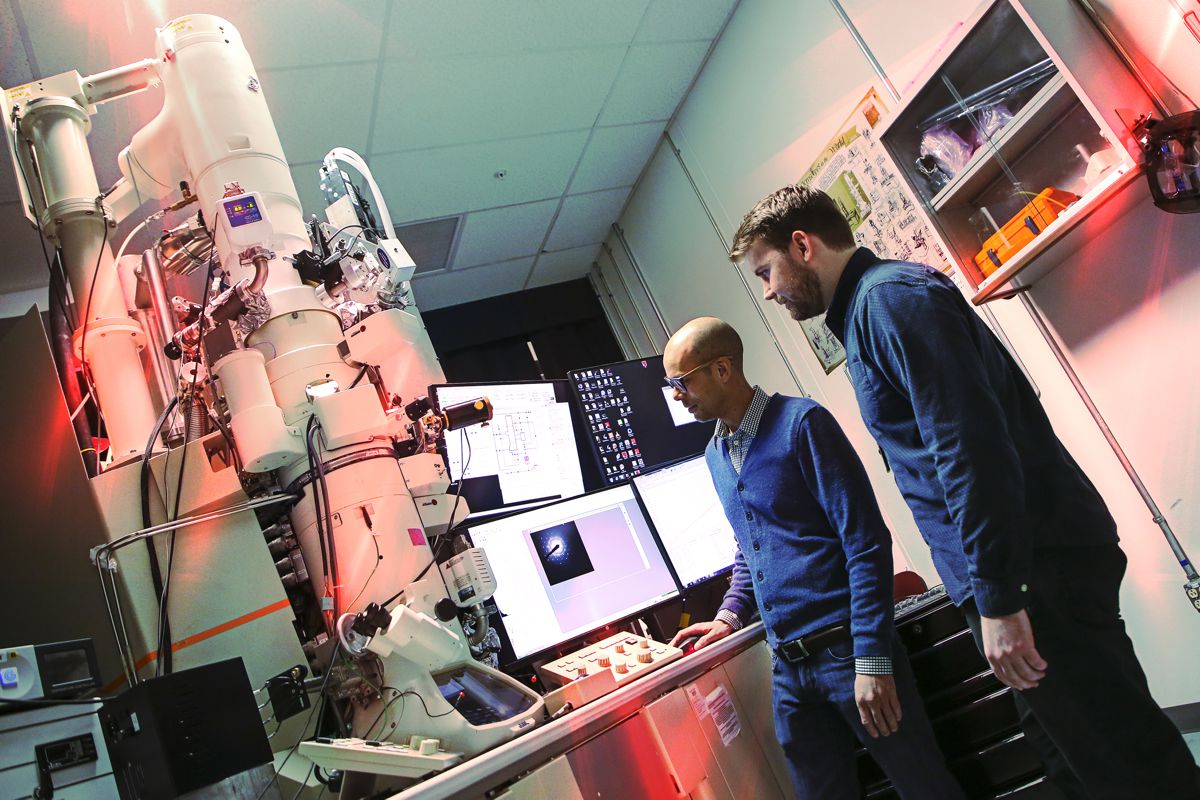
x=815, y=557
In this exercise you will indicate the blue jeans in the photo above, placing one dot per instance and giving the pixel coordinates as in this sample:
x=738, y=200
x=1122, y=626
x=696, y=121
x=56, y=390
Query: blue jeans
x=817, y=722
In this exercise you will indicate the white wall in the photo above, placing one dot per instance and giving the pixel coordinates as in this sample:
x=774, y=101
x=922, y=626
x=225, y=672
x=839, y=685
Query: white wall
x=778, y=85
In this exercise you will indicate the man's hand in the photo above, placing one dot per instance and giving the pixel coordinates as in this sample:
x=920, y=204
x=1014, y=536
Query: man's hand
x=878, y=704
x=708, y=632
x=1008, y=645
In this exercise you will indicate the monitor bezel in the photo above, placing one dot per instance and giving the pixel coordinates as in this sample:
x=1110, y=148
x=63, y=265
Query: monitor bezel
x=561, y=646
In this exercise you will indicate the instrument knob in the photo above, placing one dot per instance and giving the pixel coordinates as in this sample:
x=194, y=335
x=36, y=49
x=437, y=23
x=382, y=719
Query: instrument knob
x=604, y=660
x=645, y=657
x=622, y=667
x=644, y=644
x=620, y=648
x=582, y=671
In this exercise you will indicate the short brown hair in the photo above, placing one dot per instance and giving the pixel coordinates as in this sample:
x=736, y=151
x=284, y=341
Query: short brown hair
x=792, y=208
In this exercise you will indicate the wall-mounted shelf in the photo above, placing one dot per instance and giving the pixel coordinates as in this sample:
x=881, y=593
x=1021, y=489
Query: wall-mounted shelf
x=1115, y=194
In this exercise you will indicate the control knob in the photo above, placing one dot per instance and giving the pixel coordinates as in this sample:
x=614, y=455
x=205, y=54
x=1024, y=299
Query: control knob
x=645, y=657
x=622, y=667
x=605, y=660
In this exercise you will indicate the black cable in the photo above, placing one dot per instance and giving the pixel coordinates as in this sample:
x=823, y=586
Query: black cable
x=316, y=494
x=463, y=441
x=156, y=576
x=165, y=660
x=320, y=465
x=321, y=702
x=87, y=309
x=359, y=377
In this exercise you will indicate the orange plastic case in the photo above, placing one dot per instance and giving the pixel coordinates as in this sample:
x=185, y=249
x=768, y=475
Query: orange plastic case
x=1020, y=230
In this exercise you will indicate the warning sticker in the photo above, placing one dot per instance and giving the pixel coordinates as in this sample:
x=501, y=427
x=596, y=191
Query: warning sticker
x=721, y=707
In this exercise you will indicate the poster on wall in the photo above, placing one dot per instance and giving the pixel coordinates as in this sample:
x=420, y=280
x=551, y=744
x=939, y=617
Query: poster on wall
x=854, y=170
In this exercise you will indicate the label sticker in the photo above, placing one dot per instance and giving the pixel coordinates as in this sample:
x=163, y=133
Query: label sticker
x=724, y=714
x=697, y=699
x=417, y=536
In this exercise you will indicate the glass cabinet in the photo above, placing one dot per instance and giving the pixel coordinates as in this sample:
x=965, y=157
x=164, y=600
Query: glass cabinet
x=1015, y=136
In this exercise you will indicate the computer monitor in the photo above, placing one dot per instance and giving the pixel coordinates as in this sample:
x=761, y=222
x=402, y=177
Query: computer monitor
x=683, y=506
x=569, y=568
x=632, y=421
x=528, y=453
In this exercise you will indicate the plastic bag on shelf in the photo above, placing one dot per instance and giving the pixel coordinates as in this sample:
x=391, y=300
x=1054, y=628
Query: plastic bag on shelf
x=949, y=149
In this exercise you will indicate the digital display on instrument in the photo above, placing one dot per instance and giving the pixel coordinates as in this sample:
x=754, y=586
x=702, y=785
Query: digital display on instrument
x=569, y=568
x=632, y=421
x=683, y=505
x=527, y=453
x=242, y=211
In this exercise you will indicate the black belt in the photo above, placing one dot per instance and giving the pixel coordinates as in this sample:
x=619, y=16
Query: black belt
x=805, y=646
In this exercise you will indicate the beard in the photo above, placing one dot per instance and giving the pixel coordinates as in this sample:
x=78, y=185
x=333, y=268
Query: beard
x=803, y=299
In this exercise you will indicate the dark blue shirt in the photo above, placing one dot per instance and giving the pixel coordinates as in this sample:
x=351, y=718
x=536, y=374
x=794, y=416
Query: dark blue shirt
x=970, y=445
x=813, y=549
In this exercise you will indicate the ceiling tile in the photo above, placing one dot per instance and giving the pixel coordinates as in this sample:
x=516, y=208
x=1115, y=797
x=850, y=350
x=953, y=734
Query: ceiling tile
x=435, y=28
x=616, y=156
x=14, y=61
x=653, y=80
x=454, y=288
x=450, y=180
x=563, y=265
x=294, y=97
x=682, y=20
x=500, y=234
x=586, y=218
x=436, y=102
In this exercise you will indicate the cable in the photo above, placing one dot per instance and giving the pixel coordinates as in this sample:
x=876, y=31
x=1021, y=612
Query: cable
x=359, y=377
x=307, y=721
x=156, y=576
x=165, y=654
x=378, y=558
x=463, y=440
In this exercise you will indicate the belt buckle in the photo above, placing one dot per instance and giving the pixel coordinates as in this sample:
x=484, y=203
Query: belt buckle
x=795, y=650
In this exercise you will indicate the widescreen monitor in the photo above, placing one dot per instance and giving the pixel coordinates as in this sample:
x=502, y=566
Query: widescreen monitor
x=569, y=568
x=683, y=506
x=631, y=419
x=528, y=453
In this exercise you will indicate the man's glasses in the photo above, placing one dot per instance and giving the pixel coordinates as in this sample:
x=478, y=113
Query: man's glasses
x=679, y=384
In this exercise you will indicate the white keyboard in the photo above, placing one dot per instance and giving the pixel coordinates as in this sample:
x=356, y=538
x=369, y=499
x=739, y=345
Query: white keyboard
x=380, y=758
x=626, y=655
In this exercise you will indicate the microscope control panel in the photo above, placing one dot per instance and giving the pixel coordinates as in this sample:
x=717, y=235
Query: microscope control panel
x=626, y=655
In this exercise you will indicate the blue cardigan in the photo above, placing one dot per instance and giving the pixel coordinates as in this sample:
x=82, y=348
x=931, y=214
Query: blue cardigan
x=813, y=549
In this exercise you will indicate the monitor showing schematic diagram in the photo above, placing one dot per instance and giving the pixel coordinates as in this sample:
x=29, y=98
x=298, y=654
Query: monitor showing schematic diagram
x=569, y=568
x=528, y=453
x=633, y=422
x=682, y=503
